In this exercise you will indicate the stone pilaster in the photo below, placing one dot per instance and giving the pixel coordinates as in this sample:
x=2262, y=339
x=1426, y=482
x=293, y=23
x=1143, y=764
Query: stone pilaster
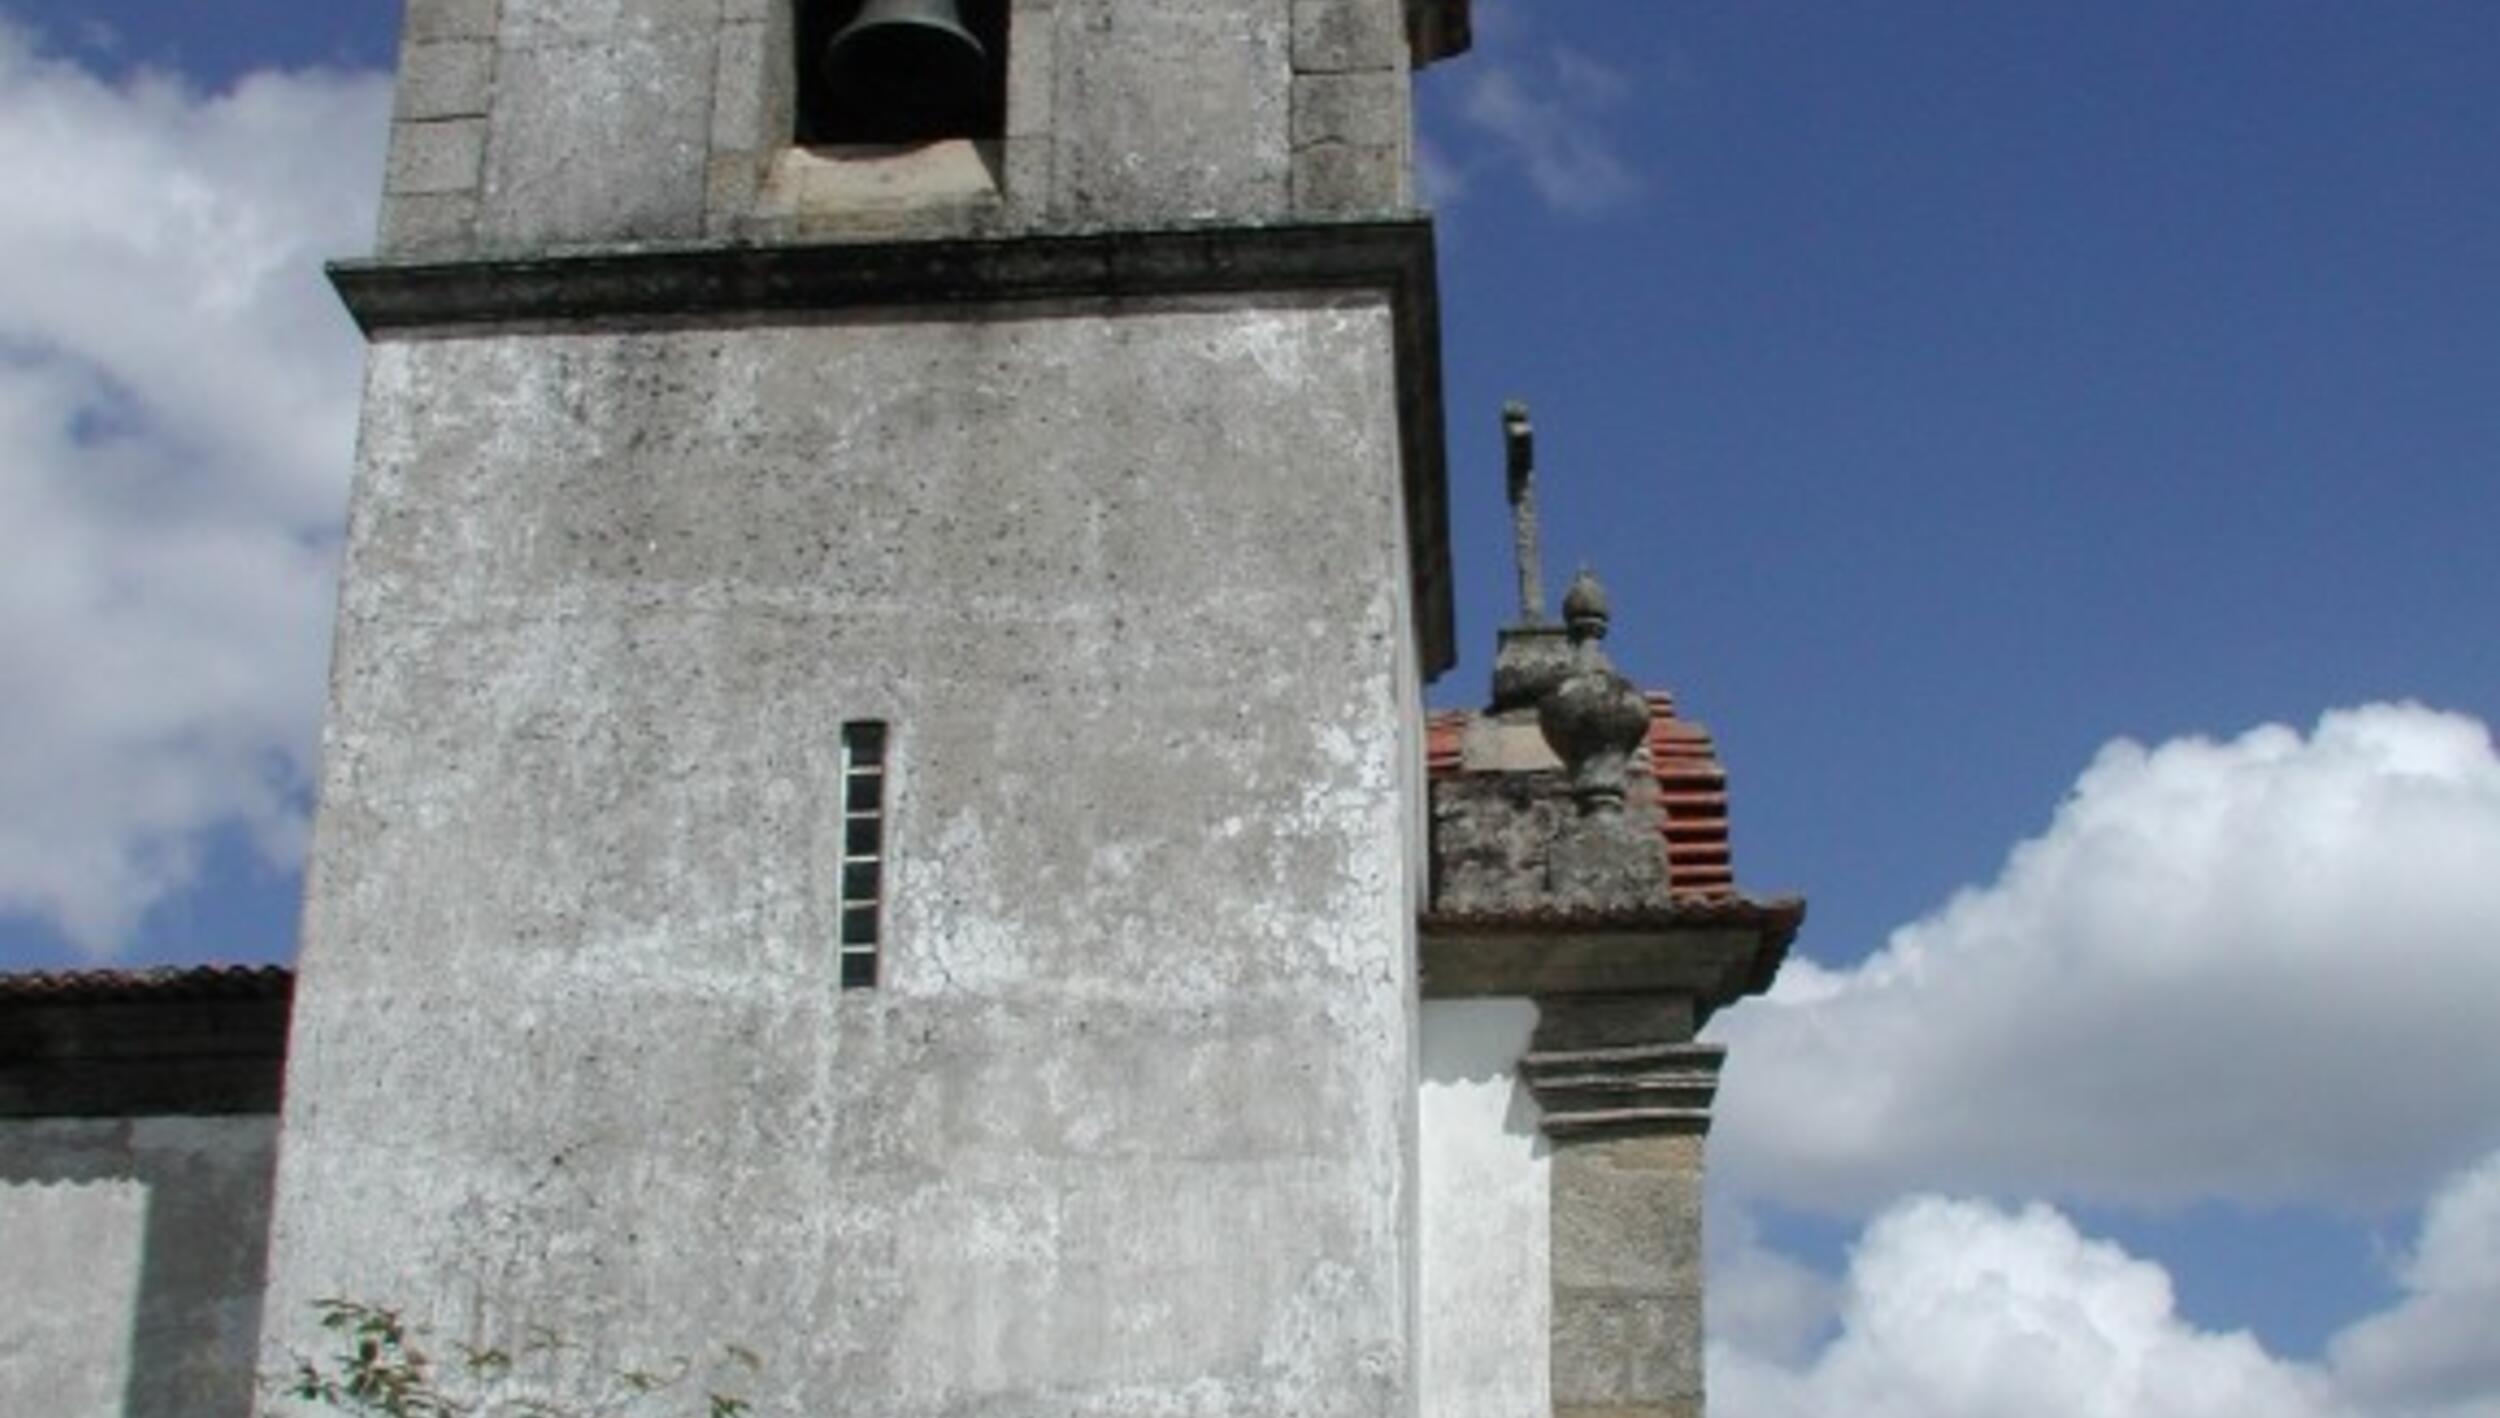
x=1626, y=1115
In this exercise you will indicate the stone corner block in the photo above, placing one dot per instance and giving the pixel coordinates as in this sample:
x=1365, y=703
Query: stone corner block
x=427, y=223
x=1336, y=35
x=1367, y=107
x=1338, y=179
x=753, y=89
x=451, y=78
x=430, y=20
x=437, y=155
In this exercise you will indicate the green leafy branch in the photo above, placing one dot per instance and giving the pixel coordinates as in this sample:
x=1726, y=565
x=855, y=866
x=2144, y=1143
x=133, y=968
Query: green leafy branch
x=383, y=1365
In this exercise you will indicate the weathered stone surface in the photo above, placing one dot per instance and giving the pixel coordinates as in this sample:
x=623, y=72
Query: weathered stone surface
x=1528, y=661
x=1167, y=112
x=1348, y=179
x=440, y=156
x=752, y=89
x=1366, y=109
x=1336, y=35
x=1605, y=859
x=445, y=79
x=611, y=120
x=134, y=1264
x=1119, y=575
x=599, y=140
x=421, y=224
x=1627, y=1276
x=1518, y=842
x=533, y=22
x=1032, y=70
x=1391, y=258
x=429, y=20
x=1615, y=1020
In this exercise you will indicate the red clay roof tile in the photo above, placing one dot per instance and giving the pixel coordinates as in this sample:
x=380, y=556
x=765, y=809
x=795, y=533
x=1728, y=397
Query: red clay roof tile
x=1692, y=793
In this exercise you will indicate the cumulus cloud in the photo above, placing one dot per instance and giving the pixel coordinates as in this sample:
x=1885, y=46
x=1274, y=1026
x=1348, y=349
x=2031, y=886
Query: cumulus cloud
x=2436, y=1354
x=1958, y=1309
x=2256, y=970
x=177, y=400
x=1765, y=1306
x=1954, y=1307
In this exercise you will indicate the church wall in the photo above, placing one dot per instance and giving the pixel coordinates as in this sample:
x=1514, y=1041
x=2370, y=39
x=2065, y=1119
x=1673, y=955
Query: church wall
x=1486, y=1313
x=133, y=1263
x=529, y=124
x=1126, y=1127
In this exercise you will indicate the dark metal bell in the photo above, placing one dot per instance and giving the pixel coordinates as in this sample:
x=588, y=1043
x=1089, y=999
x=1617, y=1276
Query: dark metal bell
x=906, y=70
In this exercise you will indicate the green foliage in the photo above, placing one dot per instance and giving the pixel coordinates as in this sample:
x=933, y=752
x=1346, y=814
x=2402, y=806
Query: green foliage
x=384, y=1366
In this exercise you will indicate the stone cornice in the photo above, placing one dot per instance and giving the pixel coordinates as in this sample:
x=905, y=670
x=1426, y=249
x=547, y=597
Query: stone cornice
x=1644, y=1088
x=722, y=282
x=1715, y=951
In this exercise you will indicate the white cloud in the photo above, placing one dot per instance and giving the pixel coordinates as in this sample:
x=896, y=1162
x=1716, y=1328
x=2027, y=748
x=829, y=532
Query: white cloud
x=177, y=400
x=1956, y=1309
x=2437, y=1353
x=1964, y=1308
x=2258, y=970
x=1767, y=1306
x=1438, y=180
x=1537, y=110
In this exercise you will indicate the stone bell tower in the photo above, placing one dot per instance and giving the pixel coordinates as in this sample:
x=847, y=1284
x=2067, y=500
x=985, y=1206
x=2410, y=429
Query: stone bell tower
x=872, y=801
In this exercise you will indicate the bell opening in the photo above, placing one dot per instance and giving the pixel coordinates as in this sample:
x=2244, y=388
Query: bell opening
x=890, y=72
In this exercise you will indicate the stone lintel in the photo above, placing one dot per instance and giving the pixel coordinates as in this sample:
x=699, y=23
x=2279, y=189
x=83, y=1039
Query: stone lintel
x=1715, y=955
x=701, y=282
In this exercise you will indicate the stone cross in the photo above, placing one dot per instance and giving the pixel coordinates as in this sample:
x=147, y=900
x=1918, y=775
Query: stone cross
x=1520, y=442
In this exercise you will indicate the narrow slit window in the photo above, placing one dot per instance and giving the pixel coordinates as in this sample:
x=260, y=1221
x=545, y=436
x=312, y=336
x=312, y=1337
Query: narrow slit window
x=863, y=850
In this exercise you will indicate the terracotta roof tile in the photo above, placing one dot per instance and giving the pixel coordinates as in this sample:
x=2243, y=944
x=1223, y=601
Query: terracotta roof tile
x=1692, y=791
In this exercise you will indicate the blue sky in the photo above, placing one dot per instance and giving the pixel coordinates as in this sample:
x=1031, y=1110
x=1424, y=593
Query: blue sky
x=1988, y=417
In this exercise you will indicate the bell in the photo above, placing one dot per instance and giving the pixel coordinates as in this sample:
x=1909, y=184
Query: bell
x=907, y=70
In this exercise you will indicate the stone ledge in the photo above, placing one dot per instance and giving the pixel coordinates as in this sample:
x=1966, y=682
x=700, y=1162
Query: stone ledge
x=696, y=282
x=1715, y=950
x=1640, y=1089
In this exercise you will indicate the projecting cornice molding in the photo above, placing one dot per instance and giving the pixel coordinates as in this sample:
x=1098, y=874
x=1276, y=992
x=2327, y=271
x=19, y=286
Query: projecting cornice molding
x=696, y=284
x=1642, y=1088
x=1713, y=950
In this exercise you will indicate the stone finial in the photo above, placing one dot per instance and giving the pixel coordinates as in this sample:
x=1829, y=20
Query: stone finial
x=1594, y=718
x=1584, y=607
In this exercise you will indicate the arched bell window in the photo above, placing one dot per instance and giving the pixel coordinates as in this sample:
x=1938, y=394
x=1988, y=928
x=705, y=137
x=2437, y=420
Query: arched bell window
x=901, y=71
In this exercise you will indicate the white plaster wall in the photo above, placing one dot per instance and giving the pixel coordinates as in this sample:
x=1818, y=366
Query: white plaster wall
x=73, y=1293
x=1484, y=1225
x=130, y=1264
x=1127, y=1128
